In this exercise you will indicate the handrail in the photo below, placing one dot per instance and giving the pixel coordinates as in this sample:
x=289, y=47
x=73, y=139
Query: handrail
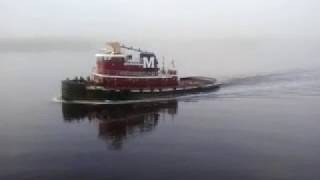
x=128, y=73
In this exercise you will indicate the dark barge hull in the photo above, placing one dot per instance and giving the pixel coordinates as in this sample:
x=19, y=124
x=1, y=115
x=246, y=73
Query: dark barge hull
x=80, y=90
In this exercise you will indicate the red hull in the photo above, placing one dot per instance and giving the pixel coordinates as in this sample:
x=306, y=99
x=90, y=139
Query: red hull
x=113, y=82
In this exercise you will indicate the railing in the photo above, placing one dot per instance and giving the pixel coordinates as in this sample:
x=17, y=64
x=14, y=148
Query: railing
x=128, y=73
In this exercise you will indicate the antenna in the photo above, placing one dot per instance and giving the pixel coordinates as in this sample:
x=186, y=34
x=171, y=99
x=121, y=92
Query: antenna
x=173, y=64
x=163, y=65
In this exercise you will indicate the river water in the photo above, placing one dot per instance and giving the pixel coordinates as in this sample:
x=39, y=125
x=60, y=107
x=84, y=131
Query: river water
x=259, y=125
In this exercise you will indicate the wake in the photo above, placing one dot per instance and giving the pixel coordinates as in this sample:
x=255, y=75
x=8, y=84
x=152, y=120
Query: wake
x=290, y=83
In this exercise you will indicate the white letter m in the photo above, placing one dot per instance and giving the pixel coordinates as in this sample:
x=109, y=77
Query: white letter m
x=148, y=63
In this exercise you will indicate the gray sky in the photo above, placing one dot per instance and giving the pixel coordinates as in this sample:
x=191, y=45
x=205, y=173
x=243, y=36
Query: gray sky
x=160, y=18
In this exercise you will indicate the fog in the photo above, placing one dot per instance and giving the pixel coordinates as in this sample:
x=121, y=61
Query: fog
x=203, y=36
x=160, y=18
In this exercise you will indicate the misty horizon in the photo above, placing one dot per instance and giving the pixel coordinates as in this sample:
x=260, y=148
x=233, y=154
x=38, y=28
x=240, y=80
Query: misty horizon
x=143, y=19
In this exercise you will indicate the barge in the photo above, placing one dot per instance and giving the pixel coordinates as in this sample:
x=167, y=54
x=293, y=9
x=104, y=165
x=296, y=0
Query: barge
x=119, y=76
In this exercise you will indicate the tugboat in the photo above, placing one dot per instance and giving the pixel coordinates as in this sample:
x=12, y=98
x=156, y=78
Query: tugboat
x=118, y=76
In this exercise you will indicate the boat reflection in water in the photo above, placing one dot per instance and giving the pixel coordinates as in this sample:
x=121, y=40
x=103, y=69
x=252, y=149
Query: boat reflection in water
x=117, y=123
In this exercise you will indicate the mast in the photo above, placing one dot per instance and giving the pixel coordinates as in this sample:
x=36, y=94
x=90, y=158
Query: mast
x=116, y=48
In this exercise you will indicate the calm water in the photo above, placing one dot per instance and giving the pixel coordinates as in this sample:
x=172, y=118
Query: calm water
x=258, y=126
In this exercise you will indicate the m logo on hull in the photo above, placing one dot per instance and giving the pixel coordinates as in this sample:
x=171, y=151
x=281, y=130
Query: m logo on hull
x=149, y=62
